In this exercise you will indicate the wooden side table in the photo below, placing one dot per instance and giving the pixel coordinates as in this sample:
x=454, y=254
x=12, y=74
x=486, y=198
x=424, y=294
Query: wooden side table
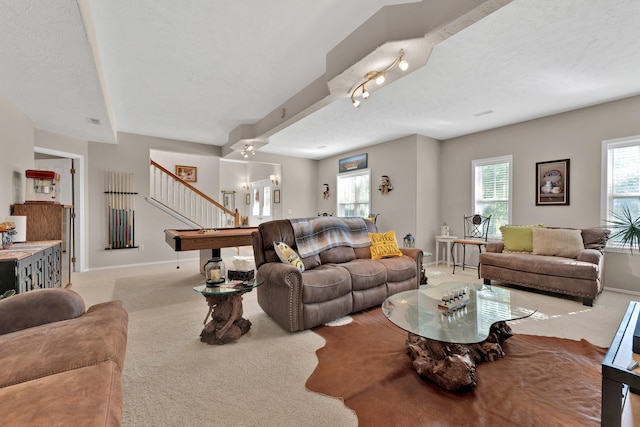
x=225, y=311
x=446, y=240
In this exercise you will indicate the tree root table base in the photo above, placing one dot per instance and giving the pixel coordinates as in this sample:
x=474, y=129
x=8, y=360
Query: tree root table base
x=453, y=366
x=227, y=323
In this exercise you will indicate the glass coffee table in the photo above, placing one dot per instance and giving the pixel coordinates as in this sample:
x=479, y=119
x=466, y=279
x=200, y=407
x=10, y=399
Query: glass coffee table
x=225, y=311
x=446, y=339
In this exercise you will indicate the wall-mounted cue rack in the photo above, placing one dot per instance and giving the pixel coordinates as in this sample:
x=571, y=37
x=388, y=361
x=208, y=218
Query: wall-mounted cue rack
x=121, y=209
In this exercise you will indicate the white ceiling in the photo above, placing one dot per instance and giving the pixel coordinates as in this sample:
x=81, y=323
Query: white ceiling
x=197, y=70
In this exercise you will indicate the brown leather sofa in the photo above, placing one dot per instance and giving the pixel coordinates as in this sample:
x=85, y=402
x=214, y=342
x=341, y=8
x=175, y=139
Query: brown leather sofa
x=61, y=365
x=336, y=282
x=580, y=276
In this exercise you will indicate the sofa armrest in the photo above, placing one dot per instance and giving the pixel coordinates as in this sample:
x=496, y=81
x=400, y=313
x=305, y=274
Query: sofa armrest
x=279, y=273
x=495, y=247
x=413, y=253
x=34, y=308
x=593, y=256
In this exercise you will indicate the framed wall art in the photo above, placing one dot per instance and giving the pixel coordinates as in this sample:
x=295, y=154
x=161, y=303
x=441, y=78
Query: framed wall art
x=552, y=183
x=353, y=163
x=187, y=173
x=276, y=196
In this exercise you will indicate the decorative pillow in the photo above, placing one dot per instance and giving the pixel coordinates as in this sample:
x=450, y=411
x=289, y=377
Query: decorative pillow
x=384, y=245
x=557, y=242
x=518, y=238
x=288, y=255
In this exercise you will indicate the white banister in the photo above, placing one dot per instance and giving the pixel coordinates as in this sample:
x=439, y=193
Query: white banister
x=187, y=203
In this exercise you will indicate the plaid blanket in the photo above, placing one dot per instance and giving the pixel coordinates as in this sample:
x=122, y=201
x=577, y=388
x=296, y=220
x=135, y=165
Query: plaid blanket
x=316, y=234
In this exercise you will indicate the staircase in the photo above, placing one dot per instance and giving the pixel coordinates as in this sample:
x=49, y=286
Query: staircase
x=186, y=203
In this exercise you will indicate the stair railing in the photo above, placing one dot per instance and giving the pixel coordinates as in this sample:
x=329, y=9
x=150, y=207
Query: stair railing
x=184, y=200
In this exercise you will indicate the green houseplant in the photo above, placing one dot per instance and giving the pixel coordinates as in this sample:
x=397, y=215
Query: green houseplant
x=625, y=229
x=7, y=294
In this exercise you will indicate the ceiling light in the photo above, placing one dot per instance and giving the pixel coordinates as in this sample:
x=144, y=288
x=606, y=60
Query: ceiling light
x=379, y=77
x=246, y=150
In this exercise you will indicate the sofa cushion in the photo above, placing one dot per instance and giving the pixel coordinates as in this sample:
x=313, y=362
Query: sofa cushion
x=557, y=242
x=311, y=262
x=365, y=273
x=542, y=265
x=595, y=237
x=337, y=255
x=384, y=245
x=288, y=255
x=399, y=268
x=86, y=396
x=325, y=283
x=98, y=335
x=362, y=253
x=518, y=238
x=54, y=305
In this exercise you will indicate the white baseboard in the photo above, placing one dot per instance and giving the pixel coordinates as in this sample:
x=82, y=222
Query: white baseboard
x=622, y=291
x=111, y=267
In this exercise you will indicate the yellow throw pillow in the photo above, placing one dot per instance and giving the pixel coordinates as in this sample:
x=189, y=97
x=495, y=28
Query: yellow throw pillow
x=557, y=242
x=518, y=238
x=288, y=255
x=384, y=245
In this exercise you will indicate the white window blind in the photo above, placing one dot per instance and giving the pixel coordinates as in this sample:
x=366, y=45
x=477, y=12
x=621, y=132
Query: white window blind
x=621, y=160
x=354, y=193
x=492, y=191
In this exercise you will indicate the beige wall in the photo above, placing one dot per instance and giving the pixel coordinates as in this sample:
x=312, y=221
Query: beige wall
x=576, y=135
x=16, y=146
x=432, y=180
x=399, y=209
x=132, y=154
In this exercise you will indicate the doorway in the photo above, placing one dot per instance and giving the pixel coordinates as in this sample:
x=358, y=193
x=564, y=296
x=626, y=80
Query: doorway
x=261, y=202
x=72, y=193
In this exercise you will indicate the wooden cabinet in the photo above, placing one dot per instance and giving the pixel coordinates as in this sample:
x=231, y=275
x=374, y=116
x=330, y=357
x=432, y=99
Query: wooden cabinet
x=46, y=221
x=28, y=266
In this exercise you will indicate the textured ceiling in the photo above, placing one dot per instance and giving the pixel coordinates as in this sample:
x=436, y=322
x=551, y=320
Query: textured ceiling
x=197, y=70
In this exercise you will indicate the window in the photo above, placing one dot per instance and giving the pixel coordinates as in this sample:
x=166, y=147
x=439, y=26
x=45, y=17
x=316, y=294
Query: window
x=621, y=177
x=354, y=193
x=492, y=191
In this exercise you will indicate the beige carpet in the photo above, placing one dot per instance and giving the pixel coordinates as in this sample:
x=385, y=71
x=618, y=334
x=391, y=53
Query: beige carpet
x=172, y=379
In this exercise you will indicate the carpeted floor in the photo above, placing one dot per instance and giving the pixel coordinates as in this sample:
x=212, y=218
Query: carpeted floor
x=542, y=381
x=172, y=379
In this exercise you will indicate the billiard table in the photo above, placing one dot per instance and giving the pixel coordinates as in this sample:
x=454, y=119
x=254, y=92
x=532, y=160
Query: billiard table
x=198, y=239
x=208, y=241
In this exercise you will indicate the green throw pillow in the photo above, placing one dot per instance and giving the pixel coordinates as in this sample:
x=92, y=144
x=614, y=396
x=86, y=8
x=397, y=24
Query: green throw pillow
x=518, y=238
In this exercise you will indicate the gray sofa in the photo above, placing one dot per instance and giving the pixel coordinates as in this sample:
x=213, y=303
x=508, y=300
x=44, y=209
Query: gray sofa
x=336, y=282
x=580, y=276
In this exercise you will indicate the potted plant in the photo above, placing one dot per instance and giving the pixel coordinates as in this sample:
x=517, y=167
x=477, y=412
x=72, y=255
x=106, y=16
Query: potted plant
x=7, y=294
x=625, y=229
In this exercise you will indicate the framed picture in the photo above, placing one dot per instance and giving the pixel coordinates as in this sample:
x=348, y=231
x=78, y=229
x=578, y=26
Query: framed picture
x=247, y=199
x=552, y=183
x=187, y=173
x=352, y=163
x=276, y=196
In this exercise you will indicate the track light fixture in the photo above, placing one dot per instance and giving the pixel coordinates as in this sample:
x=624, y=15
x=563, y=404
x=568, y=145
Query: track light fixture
x=246, y=150
x=378, y=77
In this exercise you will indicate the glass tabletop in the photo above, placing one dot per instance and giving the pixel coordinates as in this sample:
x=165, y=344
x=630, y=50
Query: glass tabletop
x=417, y=311
x=230, y=287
